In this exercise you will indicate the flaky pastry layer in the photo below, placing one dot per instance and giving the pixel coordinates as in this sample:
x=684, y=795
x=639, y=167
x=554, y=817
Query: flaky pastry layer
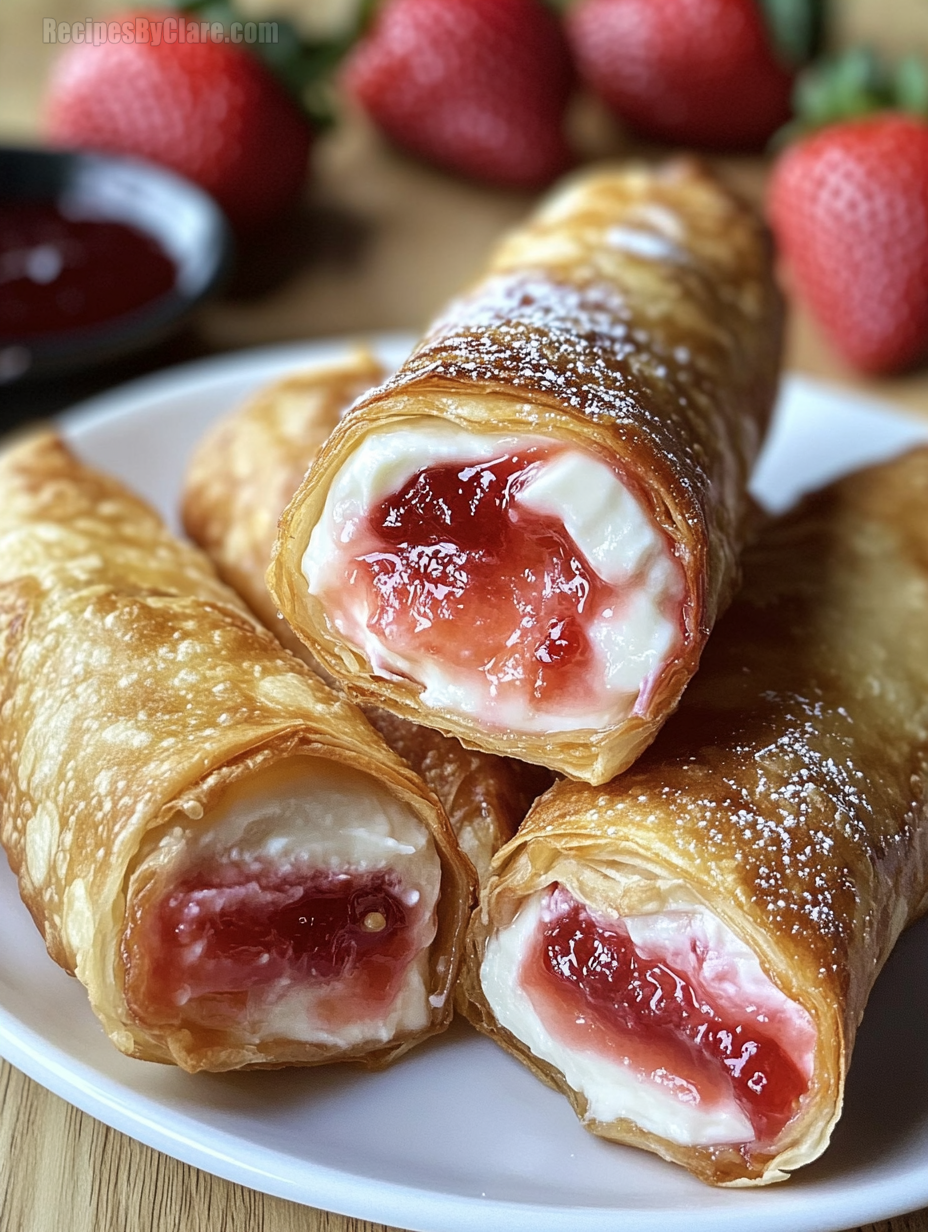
x=248, y=465
x=136, y=689
x=237, y=484
x=635, y=317
x=788, y=797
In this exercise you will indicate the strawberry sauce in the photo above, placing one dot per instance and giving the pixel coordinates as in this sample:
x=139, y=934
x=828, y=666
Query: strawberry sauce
x=461, y=571
x=227, y=931
x=59, y=273
x=597, y=993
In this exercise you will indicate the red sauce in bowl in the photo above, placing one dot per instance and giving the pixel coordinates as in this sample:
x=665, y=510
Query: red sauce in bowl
x=59, y=273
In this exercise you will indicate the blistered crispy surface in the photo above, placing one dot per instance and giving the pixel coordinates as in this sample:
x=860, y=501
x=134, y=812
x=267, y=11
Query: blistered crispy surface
x=635, y=316
x=135, y=687
x=790, y=793
x=246, y=469
x=485, y=797
x=240, y=479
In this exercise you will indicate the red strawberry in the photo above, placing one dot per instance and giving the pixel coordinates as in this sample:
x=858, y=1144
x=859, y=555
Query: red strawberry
x=477, y=86
x=849, y=207
x=696, y=72
x=210, y=110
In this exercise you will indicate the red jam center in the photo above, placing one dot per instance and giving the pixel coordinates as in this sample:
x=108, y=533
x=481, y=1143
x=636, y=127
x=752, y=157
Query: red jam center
x=58, y=273
x=224, y=932
x=591, y=984
x=463, y=572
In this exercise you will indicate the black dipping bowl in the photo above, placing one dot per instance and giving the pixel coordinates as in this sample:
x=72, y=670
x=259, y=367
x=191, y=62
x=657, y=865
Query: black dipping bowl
x=179, y=216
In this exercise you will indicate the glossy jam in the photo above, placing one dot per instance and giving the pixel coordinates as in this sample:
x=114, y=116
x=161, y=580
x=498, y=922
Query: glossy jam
x=463, y=572
x=59, y=273
x=595, y=991
x=223, y=932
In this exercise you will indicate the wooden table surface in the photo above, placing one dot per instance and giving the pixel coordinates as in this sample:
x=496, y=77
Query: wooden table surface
x=380, y=244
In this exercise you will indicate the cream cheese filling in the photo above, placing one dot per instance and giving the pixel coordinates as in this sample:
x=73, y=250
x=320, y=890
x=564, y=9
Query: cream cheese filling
x=300, y=817
x=653, y=1101
x=632, y=638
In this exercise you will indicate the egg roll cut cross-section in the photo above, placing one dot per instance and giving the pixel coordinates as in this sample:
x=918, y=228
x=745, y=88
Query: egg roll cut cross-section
x=237, y=483
x=665, y=1019
x=302, y=908
x=525, y=536
x=223, y=851
x=687, y=951
x=522, y=583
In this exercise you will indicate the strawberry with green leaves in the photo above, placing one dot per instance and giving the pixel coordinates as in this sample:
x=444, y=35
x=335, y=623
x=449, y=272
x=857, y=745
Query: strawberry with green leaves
x=212, y=109
x=848, y=203
x=479, y=87
x=714, y=74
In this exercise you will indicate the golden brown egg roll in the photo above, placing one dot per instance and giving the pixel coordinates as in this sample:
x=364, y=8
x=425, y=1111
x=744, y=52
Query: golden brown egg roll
x=524, y=537
x=239, y=480
x=248, y=465
x=686, y=952
x=486, y=797
x=223, y=851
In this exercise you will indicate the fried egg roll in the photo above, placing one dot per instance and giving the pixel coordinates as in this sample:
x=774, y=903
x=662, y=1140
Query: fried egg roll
x=687, y=951
x=239, y=480
x=248, y=465
x=224, y=852
x=524, y=537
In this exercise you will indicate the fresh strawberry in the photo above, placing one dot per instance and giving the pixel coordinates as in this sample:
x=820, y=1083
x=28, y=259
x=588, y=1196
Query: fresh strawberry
x=708, y=73
x=210, y=110
x=477, y=86
x=849, y=207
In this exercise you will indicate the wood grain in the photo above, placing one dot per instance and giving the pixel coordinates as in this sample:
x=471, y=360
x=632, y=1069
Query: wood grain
x=64, y=1170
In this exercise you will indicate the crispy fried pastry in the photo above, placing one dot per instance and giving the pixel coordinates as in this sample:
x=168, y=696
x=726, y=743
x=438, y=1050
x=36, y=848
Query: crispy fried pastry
x=686, y=952
x=524, y=538
x=223, y=851
x=239, y=480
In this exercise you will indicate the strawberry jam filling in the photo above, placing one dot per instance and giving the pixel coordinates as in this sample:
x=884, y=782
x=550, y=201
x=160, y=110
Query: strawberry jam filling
x=226, y=933
x=462, y=571
x=522, y=582
x=597, y=993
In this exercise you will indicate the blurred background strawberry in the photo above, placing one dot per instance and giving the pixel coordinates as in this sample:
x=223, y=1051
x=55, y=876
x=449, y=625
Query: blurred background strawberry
x=848, y=203
x=233, y=118
x=479, y=87
x=712, y=74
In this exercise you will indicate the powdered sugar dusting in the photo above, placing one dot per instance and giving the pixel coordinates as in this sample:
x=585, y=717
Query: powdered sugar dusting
x=572, y=342
x=665, y=336
x=796, y=772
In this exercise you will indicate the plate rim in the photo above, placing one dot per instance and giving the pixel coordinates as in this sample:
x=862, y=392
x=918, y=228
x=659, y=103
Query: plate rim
x=111, y=1101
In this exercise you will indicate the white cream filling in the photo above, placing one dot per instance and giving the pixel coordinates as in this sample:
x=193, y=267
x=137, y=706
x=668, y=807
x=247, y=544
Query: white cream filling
x=310, y=814
x=631, y=638
x=653, y=1101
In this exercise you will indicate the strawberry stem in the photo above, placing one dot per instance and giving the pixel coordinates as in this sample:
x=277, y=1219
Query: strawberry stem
x=854, y=84
x=304, y=67
x=798, y=28
x=912, y=85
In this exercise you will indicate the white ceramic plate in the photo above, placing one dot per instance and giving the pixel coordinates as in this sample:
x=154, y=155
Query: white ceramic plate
x=458, y=1137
